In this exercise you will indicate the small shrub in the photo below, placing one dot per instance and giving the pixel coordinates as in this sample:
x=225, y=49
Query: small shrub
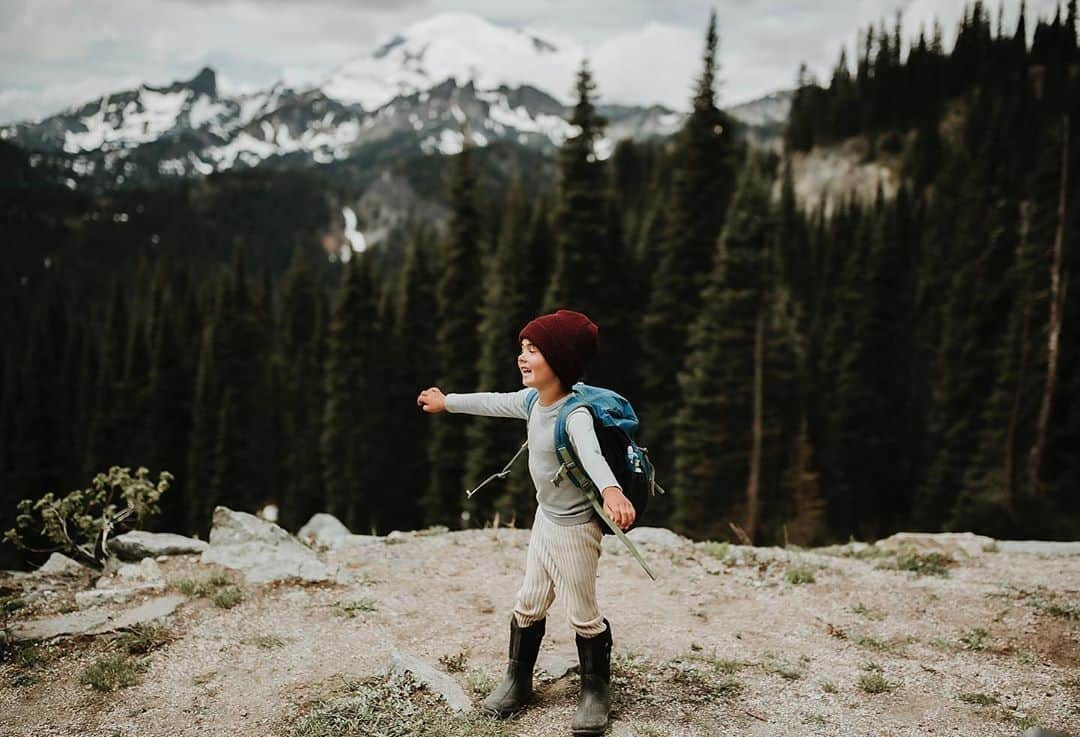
x=980, y=699
x=480, y=682
x=829, y=687
x=872, y=643
x=111, y=672
x=228, y=598
x=202, y=587
x=784, y=668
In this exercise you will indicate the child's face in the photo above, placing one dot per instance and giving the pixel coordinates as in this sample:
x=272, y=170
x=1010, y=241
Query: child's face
x=535, y=371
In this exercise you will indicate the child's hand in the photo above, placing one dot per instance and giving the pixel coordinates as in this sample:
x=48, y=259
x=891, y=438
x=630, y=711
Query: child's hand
x=617, y=507
x=432, y=400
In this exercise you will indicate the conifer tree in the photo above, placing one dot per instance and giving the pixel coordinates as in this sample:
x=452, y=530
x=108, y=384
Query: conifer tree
x=713, y=428
x=704, y=169
x=458, y=299
x=351, y=461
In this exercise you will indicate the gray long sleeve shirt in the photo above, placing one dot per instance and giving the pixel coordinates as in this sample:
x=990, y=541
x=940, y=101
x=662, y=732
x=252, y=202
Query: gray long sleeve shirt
x=563, y=503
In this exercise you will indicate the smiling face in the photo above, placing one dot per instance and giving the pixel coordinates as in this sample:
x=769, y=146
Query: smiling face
x=535, y=370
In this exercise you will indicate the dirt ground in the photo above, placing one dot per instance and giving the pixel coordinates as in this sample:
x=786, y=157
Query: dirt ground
x=726, y=641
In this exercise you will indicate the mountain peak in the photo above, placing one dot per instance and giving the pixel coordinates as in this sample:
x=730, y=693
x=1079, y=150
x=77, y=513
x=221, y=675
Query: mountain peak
x=205, y=82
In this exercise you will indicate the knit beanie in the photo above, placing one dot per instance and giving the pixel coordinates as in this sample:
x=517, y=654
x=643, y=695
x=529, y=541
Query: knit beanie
x=568, y=341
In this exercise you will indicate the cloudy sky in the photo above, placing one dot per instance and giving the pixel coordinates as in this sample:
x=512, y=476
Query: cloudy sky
x=55, y=53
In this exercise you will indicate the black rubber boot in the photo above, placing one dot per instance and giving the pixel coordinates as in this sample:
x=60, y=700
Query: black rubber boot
x=594, y=704
x=513, y=693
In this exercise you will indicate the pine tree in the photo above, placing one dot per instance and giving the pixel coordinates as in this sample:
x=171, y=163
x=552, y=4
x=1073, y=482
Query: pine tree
x=458, y=298
x=713, y=428
x=350, y=441
x=702, y=179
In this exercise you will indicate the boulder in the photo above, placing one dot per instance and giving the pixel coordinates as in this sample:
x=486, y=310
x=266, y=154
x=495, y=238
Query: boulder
x=139, y=544
x=261, y=550
x=950, y=543
x=660, y=537
x=431, y=677
x=323, y=530
x=145, y=571
x=59, y=564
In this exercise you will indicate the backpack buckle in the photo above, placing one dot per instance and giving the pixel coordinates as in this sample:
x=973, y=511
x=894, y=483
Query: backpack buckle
x=559, y=474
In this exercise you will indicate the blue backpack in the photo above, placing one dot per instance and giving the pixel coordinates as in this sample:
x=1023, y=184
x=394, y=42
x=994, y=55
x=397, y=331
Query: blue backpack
x=615, y=423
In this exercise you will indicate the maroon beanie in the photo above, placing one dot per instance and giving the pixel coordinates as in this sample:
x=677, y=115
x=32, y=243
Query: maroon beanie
x=568, y=341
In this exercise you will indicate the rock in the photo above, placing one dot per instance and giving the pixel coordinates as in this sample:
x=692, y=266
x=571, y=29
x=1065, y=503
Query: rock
x=59, y=564
x=661, y=537
x=323, y=530
x=261, y=550
x=358, y=541
x=1040, y=732
x=95, y=622
x=434, y=679
x=949, y=543
x=145, y=571
x=1038, y=547
x=139, y=544
x=97, y=596
x=396, y=536
x=556, y=665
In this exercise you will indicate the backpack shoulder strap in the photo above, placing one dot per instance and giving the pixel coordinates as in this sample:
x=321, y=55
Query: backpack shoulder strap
x=530, y=400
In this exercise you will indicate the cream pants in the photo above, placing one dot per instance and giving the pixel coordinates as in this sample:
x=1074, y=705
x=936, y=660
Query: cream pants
x=562, y=560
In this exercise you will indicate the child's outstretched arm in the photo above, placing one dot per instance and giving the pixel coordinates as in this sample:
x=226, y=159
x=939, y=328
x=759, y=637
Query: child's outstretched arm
x=488, y=404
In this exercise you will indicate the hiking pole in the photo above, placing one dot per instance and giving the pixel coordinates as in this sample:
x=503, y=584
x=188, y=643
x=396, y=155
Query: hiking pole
x=501, y=474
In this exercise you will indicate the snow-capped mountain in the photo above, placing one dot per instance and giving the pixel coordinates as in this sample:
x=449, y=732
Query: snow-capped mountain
x=451, y=77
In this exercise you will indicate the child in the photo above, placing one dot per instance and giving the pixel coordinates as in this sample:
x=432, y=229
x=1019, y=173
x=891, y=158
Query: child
x=564, y=544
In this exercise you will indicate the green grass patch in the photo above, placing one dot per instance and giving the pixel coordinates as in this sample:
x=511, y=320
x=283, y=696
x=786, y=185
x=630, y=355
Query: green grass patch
x=111, y=672
x=979, y=699
x=871, y=643
x=720, y=665
x=392, y=706
x=874, y=683
x=718, y=550
x=198, y=587
x=829, y=687
x=145, y=637
x=351, y=608
x=789, y=670
x=264, y=642
x=864, y=611
x=228, y=598
x=480, y=682
x=974, y=639
x=921, y=564
x=799, y=574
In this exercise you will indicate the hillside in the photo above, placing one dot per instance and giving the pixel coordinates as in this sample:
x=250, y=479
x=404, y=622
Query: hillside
x=762, y=641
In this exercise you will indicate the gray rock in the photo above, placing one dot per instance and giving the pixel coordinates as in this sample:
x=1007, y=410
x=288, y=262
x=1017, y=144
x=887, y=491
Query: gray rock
x=660, y=537
x=1040, y=732
x=139, y=544
x=556, y=665
x=323, y=530
x=1039, y=547
x=145, y=571
x=951, y=543
x=59, y=564
x=396, y=536
x=97, y=596
x=436, y=680
x=350, y=541
x=96, y=621
x=261, y=550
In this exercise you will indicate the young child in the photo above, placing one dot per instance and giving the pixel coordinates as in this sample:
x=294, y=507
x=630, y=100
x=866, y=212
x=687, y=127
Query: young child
x=564, y=544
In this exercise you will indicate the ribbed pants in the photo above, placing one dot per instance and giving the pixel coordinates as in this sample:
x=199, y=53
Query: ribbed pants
x=562, y=560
